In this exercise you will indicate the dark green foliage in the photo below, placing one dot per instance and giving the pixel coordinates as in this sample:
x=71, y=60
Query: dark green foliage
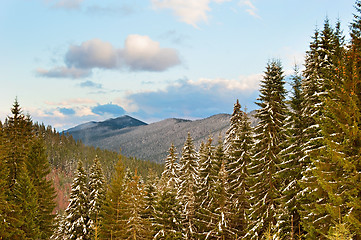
x=240, y=142
x=112, y=216
x=77, y=223
x=25, y=196
x=38, y=169
x=96, y=195
x=188, y=180
x=292, y=164
x=270, y=134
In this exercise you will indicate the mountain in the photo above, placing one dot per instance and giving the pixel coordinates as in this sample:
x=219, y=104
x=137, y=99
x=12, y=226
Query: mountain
x=149, y=141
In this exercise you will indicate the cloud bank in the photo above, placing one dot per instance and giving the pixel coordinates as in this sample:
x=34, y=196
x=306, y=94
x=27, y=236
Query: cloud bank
x=140, y=53
x=194, y=99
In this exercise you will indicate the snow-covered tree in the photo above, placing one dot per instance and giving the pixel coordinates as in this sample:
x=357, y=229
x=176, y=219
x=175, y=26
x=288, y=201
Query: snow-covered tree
x=240, y=142
x=170, y=175
x=270, y=133
x=96, y=195
x=318, y=77
x=77, y=216
x=167, y=210
x=188, y=180
x=291, y=165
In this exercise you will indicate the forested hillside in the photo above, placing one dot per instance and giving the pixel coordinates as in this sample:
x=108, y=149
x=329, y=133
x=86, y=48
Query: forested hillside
x=295, y=175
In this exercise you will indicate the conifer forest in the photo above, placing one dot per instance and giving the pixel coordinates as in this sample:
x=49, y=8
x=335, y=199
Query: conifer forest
x=295, y=175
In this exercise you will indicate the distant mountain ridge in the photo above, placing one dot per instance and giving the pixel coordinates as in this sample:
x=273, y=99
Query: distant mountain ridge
x=150, y=141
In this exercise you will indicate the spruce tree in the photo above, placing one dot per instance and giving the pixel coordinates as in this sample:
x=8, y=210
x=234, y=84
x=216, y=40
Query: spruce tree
x=265, y=192
x=188, y=176
x=113, y=210
x=170, y=175
x=292, y=164
x=135, y=226
x=96, y=195
x=77, y=215
x=240, y=142
x=321, y=62
x=38, y=169
x=25, y=196
x=167, y=209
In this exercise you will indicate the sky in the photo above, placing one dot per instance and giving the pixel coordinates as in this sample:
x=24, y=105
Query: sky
x=73, y=61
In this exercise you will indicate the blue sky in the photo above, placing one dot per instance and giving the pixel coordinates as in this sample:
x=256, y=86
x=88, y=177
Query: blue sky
x=73, y=61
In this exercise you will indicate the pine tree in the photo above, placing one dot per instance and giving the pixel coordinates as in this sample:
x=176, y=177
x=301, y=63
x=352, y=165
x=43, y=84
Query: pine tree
x=25, y=196
x=240, y=142
x=167, y=209
x=167, y=215
x=135, y=227
x=265, y=192
x=170, y=175
x=113, y=210
x=291, y=165
x=77, y=216
x=205, y=187
x=17, y=138
x=188, y=176
x=96, y=195
x=321, y=62
x=150, y=198
x=219, y=211
x=38, y=169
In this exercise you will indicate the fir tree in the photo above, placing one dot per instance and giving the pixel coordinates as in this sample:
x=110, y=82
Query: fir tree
x=38, y=169
x=320, y=66
x=25, y=196
x=239, y=158
x=265, y=192
x=167, y=209
x=293, y=155
x=150, y=197
x=96, y=195
x=135, y=227
x=188, y=176
x=77, y=216
x=167, y=215
x=170, y=175
x=113, y=210
x=17, y=138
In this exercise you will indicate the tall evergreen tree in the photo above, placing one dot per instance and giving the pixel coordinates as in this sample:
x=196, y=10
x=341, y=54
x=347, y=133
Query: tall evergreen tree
x=167, y=209
x=25, y=196
x=170, y=175
x=320, y=65
x=96, y=195
x=17, y=139
x=136, y=227
x=270, y=134
x=291, y=165
x=77, y=215
x=39, y=169
x=188, y=176
x=341, y=128
x=239, y=158
x=113, y=210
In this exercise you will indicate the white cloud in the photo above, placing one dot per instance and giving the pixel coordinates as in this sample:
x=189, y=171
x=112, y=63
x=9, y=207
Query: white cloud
x=63, y=72
x=91, y=54
x=67, y=4
x=142, y=53
x=70, y=102
x=188, y=11
x=244, y=83
x=250, y=8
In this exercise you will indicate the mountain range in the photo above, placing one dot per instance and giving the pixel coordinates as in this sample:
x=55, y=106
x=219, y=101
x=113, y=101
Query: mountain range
x=150, y=141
